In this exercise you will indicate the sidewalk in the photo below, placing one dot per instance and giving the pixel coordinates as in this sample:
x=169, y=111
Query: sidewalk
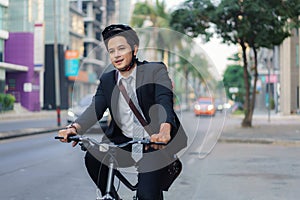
x=280, y=129
x=19, y=114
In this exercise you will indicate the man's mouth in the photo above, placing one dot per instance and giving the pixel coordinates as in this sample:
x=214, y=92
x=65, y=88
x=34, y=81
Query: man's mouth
x=118, y=61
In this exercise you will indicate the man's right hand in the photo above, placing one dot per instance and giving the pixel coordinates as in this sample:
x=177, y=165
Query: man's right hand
x=67, y=132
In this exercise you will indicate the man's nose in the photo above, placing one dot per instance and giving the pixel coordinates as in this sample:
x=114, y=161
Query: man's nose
x=117, y=53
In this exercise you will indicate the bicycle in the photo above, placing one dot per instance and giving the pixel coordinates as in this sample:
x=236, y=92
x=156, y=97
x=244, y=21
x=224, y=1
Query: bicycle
x=109, y=147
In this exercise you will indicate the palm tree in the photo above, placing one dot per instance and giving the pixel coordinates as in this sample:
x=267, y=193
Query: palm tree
x=146, y=14
x=193, y=66
x=154, y=15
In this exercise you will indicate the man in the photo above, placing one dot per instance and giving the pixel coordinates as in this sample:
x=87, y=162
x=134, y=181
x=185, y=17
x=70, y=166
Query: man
x=150, y=90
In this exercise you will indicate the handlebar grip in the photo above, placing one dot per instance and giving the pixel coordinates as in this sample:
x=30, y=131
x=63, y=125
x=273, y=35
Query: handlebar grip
x=157, y=143
x=71, y=137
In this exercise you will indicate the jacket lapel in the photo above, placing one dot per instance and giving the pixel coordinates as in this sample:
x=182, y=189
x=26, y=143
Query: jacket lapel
x=139, y=81
x=115, y=95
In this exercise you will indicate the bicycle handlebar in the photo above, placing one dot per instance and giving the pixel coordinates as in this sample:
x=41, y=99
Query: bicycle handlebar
x=77, y=138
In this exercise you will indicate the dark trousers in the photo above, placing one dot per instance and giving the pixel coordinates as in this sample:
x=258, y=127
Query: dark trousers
x=148, y=182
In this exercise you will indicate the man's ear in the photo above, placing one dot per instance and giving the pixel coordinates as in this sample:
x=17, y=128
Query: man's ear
x=135, y=49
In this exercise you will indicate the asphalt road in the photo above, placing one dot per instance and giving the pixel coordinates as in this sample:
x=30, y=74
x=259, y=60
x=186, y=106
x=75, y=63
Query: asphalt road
x=38, y=167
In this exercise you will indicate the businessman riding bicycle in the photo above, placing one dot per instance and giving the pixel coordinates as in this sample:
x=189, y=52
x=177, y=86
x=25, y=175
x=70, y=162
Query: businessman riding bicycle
x=139, y=97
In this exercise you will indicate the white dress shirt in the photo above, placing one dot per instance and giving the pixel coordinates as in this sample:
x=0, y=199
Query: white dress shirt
x=125, y=115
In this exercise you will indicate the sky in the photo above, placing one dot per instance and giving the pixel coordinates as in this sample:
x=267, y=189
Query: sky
x=215, y=49
x=218, y=53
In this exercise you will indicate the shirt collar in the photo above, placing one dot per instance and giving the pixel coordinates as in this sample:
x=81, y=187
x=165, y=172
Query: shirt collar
x=133, y=75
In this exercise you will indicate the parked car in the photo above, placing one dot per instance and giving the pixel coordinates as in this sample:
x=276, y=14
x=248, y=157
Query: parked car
x=76, y=111
x=205, y=106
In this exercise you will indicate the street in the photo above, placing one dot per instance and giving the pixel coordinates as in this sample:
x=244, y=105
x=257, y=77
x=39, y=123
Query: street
x=38, y=167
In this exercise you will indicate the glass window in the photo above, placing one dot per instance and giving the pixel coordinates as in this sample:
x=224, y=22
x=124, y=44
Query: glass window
x=3, y=16
x=77, y=24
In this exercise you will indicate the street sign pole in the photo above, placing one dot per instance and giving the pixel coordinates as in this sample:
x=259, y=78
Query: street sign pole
x=269, y=92
x=56, y=67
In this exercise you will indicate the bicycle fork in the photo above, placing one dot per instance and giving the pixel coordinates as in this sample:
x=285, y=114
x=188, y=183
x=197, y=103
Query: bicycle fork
x=110, y=178
x=110, y=182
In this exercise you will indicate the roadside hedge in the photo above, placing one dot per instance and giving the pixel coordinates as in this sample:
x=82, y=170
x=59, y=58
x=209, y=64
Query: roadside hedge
x=6, y=102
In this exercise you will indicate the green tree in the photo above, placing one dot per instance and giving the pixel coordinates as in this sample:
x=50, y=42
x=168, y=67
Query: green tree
x=6, y=102
x=233, y=78
x=249, y=23
x=235, y=57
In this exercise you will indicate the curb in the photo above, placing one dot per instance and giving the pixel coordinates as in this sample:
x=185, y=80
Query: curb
x=26, y=132
x=259, y=141
x=13, y=115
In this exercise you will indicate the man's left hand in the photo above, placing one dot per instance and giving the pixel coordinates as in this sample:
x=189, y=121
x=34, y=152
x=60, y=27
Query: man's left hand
x=163, y=136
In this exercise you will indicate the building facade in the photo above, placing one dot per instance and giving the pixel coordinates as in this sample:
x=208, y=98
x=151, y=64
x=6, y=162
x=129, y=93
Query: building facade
x=39, y=36
x=29, y=32
x=3, y=36
x=289, y=74
x=279, y=77
x=96, y=16
x=23, y=50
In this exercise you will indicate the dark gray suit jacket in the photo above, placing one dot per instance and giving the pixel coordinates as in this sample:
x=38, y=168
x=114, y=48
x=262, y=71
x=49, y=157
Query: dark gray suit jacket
x=155, y=98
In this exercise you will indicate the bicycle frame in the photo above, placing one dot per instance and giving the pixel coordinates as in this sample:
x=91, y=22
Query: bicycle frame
x=112, y=172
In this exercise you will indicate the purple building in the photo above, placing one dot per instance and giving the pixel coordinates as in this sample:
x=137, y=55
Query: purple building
x=25, y=86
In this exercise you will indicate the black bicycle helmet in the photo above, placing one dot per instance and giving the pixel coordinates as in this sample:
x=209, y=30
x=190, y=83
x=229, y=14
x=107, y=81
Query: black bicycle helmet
x=120, y=30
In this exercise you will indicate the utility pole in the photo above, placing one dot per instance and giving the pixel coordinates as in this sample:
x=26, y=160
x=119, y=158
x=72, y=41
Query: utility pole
x=56, y=67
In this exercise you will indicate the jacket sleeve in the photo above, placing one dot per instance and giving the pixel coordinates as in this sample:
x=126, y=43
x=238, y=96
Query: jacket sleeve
x=164, y=93
x=164, y=96
x=88, y=118
x=100, y=99
x=94, y=111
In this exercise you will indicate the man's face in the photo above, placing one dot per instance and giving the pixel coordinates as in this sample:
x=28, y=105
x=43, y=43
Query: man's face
x=120, y=52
